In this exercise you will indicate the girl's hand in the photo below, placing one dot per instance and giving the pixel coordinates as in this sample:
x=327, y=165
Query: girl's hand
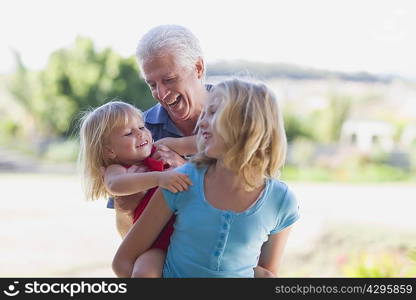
x=173, y=181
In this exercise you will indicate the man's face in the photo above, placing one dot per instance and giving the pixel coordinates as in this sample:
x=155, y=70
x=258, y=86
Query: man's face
x=178, y=89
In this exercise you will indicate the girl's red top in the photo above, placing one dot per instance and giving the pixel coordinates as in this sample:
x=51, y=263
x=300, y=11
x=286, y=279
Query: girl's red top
x=162, y=241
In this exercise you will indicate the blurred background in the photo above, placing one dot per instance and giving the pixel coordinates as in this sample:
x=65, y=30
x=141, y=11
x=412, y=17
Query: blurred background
x=344, y=72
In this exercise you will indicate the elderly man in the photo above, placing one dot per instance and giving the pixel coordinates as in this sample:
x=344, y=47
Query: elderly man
x=172, y=64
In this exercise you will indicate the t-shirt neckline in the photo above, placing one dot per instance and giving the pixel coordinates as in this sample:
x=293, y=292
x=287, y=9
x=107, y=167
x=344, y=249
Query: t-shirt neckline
x=250, y=210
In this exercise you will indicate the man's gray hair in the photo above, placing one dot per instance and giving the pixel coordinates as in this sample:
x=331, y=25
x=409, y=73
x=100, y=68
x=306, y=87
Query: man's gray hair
x=170, y=39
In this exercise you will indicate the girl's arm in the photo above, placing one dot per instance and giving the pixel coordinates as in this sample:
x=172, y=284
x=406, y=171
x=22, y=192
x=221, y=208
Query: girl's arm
x=183, y=145
x=119, y=182
x=142, y=235
x=271, y=254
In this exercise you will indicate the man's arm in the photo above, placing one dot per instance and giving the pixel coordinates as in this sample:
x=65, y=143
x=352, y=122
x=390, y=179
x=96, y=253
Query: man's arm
x=168, y=156
x=183, y=145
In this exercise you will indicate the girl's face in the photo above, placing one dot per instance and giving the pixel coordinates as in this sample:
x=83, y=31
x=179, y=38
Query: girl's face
x=129, y=143
x=214, y=145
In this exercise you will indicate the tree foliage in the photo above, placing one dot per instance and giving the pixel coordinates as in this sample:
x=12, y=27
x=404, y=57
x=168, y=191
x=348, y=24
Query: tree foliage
x=328, y=121
x=285, y=70
x=322, y=125
x=74, y=80
x=296, y=127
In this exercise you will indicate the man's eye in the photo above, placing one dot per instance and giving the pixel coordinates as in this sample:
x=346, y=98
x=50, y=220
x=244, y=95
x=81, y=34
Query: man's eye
x=142, y=128
x=127, y=134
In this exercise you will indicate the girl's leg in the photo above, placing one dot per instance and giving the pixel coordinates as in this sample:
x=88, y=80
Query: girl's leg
x=123, y=222
x=149, y=264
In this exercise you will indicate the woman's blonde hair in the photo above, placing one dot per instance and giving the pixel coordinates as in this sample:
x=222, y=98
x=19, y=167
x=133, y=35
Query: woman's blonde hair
x=95, y=127
x=251, y=124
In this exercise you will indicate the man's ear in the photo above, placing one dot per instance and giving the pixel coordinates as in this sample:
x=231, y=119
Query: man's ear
x=109, y=153
x=200, y=67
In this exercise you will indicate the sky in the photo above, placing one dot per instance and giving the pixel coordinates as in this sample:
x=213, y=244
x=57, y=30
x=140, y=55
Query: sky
x=351, y=35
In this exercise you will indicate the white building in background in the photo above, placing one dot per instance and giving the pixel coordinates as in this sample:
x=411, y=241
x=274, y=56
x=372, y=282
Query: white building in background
x=367, y=135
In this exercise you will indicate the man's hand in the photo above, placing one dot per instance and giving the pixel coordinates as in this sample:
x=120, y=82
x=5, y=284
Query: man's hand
x=168, y=156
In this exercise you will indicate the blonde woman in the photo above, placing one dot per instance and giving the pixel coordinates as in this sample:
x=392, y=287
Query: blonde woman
x=115, y=160
x=235, y=219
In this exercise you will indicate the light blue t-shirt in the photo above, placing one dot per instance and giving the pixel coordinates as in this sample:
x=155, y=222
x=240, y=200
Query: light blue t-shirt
x=209, y=242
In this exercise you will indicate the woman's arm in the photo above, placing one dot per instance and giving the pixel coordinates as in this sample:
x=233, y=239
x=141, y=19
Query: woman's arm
x=182, y=146
x=119, y=182
x=142, y=235
x=271, y=254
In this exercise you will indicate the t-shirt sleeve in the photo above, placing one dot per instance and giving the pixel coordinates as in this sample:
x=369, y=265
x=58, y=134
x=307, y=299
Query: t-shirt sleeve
x=288, y=212
x=170, y=199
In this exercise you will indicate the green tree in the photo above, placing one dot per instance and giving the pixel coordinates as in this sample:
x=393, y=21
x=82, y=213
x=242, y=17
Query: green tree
x=327, y=122
x=75, y=79
x=296, y=126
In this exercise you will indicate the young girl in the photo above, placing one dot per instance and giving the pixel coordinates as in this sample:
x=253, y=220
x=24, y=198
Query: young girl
x=115, y=158
x=235, y=219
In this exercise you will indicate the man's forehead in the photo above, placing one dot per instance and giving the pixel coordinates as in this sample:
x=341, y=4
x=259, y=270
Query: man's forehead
x=159, y=67
x=157, y=74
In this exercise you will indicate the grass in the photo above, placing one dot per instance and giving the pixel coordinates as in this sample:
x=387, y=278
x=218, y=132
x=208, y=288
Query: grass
x=346, y=250
x=371, y=173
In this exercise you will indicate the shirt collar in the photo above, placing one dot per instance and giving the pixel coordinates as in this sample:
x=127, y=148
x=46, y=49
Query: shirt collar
x=157, y=115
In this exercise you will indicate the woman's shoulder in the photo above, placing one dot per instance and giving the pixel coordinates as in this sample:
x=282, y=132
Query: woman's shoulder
x=278, y=184
x=280, y=188
x=177, y=201
x=190, y=168
x=285, y=205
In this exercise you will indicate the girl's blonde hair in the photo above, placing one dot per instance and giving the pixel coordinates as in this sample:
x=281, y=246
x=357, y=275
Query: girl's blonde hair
x=95, y=127
x=251, y=124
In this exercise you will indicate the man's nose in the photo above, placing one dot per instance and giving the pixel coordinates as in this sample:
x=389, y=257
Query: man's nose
x=162, y=92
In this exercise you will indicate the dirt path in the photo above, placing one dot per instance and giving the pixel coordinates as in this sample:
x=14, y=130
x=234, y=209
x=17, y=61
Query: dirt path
x=48, y=230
